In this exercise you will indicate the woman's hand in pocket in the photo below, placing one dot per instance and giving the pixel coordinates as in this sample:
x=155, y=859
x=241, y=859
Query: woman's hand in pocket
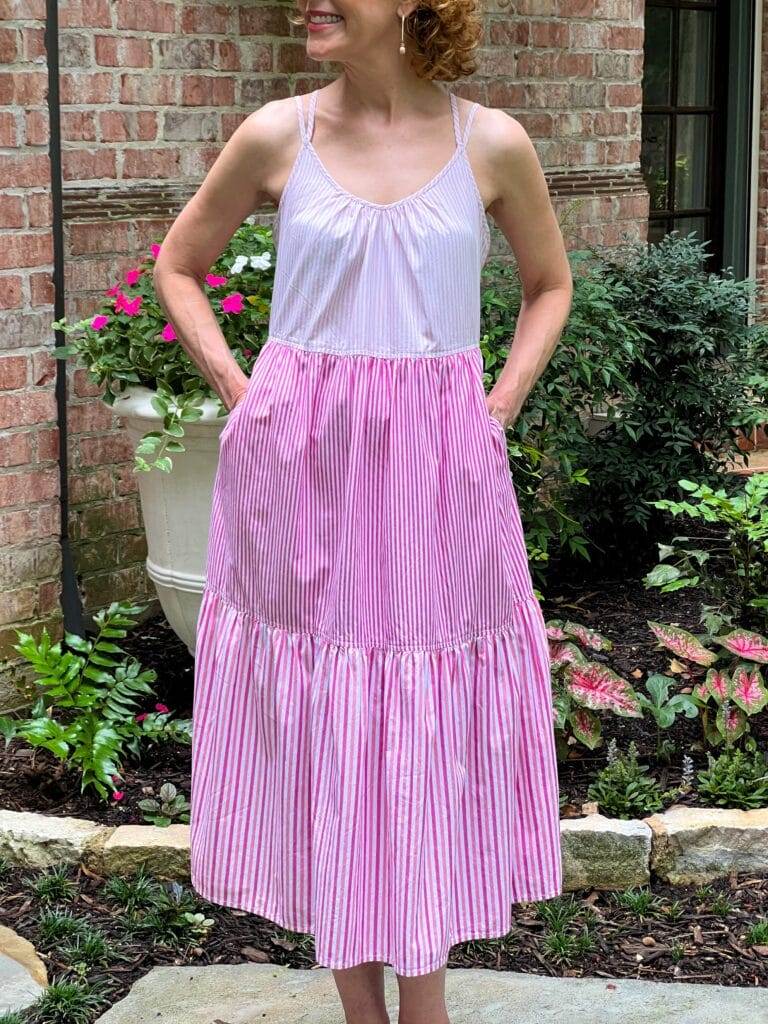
x=238, y=396
x=503, y=416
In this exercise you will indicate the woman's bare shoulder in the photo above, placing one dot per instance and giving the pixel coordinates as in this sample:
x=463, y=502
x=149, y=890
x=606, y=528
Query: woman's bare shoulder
x=505, y=153
x=265, y=142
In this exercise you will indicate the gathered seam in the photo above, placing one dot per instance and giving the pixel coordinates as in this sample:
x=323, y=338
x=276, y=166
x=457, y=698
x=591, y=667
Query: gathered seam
x=388, y=354
x=509, y=626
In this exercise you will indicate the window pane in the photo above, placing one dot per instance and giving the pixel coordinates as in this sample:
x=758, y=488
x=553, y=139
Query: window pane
x=657, y=228
x=687, y=225
x=691, y=161
x=694, y=86
x=654, y=158
x=658, y=56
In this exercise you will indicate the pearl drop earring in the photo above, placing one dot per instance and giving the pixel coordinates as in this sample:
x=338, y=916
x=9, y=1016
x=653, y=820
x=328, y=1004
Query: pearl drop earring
x=402, y=31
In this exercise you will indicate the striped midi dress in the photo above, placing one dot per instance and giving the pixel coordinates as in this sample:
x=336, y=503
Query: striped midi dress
x=373, y=756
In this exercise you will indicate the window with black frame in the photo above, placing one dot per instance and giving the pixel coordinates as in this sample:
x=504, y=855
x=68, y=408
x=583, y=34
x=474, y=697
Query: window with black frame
x=684, y=110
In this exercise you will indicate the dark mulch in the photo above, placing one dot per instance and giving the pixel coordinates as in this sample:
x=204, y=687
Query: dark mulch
x=690, y=934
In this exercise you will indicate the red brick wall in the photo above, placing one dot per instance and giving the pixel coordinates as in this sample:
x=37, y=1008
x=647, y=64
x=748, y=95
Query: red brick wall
x=30, y=556
x=149, y=93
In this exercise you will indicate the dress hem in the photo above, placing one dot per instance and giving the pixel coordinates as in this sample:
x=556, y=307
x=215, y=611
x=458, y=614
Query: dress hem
x=284, y=921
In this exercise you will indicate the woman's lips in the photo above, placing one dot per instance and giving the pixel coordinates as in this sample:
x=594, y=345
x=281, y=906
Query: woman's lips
x=313, y=26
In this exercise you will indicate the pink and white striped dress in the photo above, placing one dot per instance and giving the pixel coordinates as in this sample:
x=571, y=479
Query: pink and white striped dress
x=373, y=754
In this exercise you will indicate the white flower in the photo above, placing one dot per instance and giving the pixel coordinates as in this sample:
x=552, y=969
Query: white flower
x=251, y=219
x=238, y=265
x=262, y=262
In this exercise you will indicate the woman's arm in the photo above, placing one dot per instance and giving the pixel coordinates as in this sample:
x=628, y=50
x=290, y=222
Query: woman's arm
x=240, y=180
x=523, y=210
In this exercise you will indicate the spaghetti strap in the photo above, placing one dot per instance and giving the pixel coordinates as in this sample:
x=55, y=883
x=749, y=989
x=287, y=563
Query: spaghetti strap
x=299, y=101
x=305, y=128
x=311, y=115
x=455, y=116
x=468, y=124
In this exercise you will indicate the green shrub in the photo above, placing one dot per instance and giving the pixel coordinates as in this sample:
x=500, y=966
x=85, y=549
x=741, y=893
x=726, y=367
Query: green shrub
x=728, y=565
x=622, y=788
x=590, y=365
x=700, y=372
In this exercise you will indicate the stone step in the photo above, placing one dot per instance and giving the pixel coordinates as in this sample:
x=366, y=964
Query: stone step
x=266, y=994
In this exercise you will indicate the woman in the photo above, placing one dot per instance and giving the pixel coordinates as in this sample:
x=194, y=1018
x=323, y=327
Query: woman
x=373, y=756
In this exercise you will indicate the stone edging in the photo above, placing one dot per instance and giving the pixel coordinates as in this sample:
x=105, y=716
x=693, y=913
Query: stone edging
x=683, y=845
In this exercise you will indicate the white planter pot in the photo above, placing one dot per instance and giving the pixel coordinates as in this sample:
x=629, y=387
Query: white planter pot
x=176, y=507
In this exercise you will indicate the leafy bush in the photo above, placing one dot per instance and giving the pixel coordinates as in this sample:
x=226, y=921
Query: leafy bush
x=590, y=365
x=737, y=778
x=729, y=565
x=660, y=348
x=622, y=788
x=699, y=372
x=128, y=340
x=83, y=717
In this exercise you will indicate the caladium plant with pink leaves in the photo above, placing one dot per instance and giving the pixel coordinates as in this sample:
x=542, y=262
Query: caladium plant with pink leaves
x=582, y=687
x=730, y=692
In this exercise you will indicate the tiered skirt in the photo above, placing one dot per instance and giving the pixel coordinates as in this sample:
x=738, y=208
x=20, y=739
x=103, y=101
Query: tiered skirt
x=373, y=756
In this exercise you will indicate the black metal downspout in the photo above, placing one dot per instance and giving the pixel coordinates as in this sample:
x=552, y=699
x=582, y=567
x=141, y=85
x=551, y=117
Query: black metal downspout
x=71, y=603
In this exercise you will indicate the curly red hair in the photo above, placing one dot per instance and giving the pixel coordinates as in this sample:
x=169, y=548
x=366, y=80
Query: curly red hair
x=446, y=34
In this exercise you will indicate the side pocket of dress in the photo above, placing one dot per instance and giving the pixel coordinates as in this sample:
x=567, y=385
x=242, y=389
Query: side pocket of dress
x=233, y=415
x=500, y=436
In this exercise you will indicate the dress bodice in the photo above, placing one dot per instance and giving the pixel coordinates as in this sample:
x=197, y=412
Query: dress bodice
x=401, y=278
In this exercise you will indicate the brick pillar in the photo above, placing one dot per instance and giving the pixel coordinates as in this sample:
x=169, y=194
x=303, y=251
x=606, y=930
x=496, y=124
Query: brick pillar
x=29, y=478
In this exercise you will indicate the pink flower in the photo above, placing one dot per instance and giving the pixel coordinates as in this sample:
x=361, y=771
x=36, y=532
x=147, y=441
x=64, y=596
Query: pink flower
x=232, y=303
x=99, y=321
x=155, y=249
x=247, y=353
x=168, y=333
x=114, y=290
x=162, y=708
x=130, y=307
x=215, y=281
x=132, y=275
x=141, y=717
x=118, y=794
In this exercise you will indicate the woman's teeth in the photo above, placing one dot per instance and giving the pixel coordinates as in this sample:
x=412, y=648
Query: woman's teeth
x=325, y=19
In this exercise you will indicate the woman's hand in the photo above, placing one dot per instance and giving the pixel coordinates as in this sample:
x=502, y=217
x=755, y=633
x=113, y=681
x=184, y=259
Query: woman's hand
x=238, y=396
x=502, y=412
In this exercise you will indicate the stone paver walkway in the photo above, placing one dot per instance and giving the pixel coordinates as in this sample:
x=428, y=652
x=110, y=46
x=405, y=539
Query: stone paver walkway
x=265, y=994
